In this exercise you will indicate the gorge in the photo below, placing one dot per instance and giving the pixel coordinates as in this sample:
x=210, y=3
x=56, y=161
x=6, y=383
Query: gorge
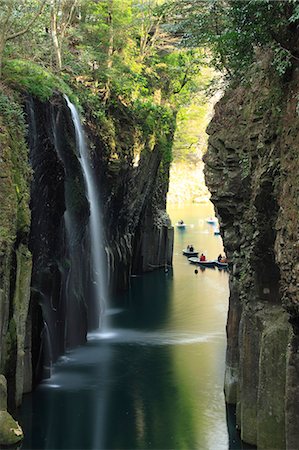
x=56, y=316
x=88, y=116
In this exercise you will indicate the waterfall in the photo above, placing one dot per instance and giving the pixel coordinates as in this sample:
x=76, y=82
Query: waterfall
x=95, y=220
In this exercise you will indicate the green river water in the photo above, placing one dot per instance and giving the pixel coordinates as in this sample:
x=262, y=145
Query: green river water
x=154, y=380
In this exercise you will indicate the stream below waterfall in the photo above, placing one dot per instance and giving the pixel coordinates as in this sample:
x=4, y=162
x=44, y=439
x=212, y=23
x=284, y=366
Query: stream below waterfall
x=154, y=380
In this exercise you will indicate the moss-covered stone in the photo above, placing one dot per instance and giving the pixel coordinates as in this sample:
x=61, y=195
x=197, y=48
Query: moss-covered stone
x=3, y=393
x=10, y=431
x=272, y=381
x=21, y=306
x=14, y=229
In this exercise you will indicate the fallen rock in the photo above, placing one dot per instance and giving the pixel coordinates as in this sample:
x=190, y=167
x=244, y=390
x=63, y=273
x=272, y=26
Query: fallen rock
x=10, y=430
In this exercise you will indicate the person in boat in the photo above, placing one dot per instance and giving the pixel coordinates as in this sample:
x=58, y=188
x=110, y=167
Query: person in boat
x=191, y=248
x=202, y=257
x=220, y=257
x=223, y=260
x=181, y=222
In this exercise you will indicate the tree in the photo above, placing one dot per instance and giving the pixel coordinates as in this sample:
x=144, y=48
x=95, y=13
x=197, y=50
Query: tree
x=62, y=12
x=233, y=29
x=16, y=19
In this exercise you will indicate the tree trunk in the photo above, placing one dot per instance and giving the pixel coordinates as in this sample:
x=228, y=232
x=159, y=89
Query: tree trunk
x=2, y=45
x=54, y=35
x=109, y=51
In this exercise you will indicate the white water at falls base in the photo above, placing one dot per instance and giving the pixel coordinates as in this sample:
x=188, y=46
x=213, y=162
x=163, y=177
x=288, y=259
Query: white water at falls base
x=99, y=266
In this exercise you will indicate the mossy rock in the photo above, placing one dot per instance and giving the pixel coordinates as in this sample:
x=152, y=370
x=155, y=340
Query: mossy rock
x=10, y=430
x=3, y=393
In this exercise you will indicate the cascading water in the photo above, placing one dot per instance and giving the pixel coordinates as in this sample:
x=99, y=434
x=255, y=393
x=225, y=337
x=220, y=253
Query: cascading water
x=95, y=220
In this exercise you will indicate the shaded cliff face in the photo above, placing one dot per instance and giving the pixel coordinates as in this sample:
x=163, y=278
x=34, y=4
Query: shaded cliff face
x=60, y=300
x=252, y=173
x=133, y=176
x=47, y=298
x=15, y=258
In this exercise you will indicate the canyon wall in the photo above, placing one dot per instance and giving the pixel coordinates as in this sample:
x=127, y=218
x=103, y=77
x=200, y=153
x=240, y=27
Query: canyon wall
x=132, y=163
x=252, y=172
x=47, y=301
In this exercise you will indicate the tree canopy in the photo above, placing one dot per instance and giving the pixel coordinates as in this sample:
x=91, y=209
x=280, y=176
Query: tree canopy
x=146, y=47
x=148, y=55
x=111, y=47
x=232, y=30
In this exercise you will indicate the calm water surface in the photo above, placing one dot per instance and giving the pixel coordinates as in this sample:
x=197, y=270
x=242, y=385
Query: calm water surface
x=155, y=379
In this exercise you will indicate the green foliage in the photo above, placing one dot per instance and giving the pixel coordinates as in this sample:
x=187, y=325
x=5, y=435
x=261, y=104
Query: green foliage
x=190, y=138
x=233, y=29
x=159, y=122
x=11, y=110
x=114, y=53
x=33, y=79
x=14, y=194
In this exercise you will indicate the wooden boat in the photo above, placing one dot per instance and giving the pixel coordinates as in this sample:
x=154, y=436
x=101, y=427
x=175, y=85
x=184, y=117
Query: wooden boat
x=189, y=253
x=209, y=263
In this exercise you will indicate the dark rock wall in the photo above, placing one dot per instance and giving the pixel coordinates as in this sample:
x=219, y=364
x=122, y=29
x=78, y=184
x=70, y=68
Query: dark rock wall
x=47, y=301
x=58, y=240
x=15, y=258
x=252, y=173
x=139, y=235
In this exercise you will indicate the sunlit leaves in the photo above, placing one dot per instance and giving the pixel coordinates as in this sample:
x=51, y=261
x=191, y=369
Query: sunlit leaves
x=232, y=29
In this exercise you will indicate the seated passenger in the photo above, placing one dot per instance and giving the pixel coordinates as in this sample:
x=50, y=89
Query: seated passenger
x=191, y=248
x=219, y=258
x=202, y=257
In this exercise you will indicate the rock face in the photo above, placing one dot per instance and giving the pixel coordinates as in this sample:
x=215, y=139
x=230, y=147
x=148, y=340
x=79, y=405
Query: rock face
x=138, y=234
x=15, y=257
x=47, y=299
x=10, y=431
x=58, y=236
x=252, y=173
x=133, y=178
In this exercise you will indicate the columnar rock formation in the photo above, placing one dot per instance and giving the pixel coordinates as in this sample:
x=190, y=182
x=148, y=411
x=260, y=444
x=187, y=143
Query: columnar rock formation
x=15, y=258
x=252, y=173
x=133, y=178
x=45, y=282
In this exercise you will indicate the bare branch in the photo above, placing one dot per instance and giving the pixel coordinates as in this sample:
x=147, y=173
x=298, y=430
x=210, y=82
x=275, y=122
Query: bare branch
x=68, y=21
x=20, y=33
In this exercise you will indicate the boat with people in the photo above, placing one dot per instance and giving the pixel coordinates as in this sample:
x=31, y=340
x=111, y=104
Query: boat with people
x=198, y=261
x=188, y=252
x=221, y=265
x=181, y=224
x=221, y=262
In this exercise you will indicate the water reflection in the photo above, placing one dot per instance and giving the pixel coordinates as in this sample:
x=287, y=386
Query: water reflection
x=155, y=380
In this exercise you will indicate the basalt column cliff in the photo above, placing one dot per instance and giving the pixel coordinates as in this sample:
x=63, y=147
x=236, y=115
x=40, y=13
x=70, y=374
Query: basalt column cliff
x=46, y=285
x=252, y=172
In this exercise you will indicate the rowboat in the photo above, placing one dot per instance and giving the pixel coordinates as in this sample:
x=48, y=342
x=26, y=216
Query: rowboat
x=189, y=253
x=194, y=260
x=212, y=220
x=221, y=265
x=181, y=225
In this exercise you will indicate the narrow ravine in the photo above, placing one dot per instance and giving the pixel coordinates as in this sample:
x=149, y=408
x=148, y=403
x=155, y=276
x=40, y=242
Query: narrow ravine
x=155, y=380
